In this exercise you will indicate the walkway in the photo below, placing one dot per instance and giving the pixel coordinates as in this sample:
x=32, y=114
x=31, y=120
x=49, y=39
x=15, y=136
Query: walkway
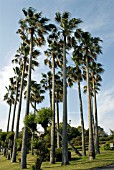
x=110, y=167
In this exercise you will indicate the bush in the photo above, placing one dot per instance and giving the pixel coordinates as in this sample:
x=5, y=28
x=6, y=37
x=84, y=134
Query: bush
x=58, y=155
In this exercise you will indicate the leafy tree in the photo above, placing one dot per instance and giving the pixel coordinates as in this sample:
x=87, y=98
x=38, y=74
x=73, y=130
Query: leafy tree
x=44, y=117
x=31, y=122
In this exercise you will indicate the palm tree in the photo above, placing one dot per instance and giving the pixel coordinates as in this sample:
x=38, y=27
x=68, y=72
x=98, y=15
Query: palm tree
x=59, y=98
x=53, y=53
x=91, y=49
x=67, y=25
x=78, y=77
x=9, y=97
x=36, y=94
x=21, y=58
x=96, y=70
x=32, y=27
x=15, y=81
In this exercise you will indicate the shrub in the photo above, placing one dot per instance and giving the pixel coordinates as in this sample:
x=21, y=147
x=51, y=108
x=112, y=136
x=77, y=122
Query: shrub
x=58, y=155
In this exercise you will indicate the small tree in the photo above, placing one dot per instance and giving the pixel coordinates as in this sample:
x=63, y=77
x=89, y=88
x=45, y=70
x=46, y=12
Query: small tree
x=43, y=117
x=40, y=151
x=38, y=145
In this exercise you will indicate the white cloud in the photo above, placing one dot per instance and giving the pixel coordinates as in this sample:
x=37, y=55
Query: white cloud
x=106, y=101
x=94, y=24
x=106, y=109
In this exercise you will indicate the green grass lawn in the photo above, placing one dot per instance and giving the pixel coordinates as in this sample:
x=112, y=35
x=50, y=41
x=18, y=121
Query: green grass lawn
x=105, y=158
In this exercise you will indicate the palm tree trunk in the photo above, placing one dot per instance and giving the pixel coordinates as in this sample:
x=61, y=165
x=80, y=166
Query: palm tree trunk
x=93, y=126
x=9, y=117
x=52, y=152
x=65, y=160
x=32, y=139
x=50, y=95
x=91, y=140
x=6, y=142
x=18, y=116
x=25, y=134
x=82, y=121
x=96, y=124
x=34, y=107
x=17, y=84
x=70, y=144
x=57, y=107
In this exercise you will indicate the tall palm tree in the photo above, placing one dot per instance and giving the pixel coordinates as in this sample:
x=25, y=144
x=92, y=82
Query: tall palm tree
x=91, y=49
x=67, y=25
x=58, y=99
x=78, y=77
x=96, y=70
x=15, y=81
x=32, y=29
x=21, y=58
x=53, y=53
x=52, y=152
x=9, y=97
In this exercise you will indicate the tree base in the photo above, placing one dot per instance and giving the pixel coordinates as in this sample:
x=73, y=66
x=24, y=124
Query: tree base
x=64, y=163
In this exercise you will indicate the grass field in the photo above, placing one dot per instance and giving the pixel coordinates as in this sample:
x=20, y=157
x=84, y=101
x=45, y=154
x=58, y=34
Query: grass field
x=105, y=158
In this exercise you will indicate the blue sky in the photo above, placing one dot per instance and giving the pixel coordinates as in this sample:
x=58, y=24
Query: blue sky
x=98, y=19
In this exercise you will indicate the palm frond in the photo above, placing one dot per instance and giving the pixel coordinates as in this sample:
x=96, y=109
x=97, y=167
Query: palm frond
x=58, y=17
